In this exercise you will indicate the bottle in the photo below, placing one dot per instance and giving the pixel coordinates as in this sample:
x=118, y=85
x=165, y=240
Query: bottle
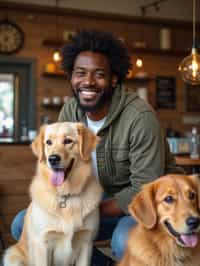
x=24, y=131
x=194, y=149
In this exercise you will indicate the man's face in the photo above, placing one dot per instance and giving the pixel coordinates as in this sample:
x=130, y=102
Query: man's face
x=92, y=81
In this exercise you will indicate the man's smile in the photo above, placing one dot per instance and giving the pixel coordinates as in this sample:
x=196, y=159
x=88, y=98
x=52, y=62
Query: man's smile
x=88, y=94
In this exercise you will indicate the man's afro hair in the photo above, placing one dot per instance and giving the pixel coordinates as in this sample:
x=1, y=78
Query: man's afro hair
x=99, y=42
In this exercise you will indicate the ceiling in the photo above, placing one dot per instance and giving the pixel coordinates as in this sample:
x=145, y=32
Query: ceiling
x=167, y=9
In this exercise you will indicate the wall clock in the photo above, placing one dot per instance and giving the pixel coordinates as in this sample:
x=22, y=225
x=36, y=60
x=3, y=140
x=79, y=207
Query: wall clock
x=11, y=37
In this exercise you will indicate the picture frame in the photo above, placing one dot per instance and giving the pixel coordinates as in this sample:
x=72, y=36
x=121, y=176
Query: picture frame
x=165, y=92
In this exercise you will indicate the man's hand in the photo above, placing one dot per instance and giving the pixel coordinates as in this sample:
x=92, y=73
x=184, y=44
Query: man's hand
x=109, y=207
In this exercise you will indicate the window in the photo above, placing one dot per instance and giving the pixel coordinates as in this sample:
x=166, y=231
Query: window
x=17, y=97
x=7, y=105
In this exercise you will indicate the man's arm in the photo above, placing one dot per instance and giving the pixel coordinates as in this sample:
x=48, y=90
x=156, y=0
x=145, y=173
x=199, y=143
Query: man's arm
x=109, y=207
x=146, y=156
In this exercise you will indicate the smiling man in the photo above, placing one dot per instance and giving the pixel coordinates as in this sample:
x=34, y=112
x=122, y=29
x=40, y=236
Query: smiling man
x=91, y=82
x=132, y=150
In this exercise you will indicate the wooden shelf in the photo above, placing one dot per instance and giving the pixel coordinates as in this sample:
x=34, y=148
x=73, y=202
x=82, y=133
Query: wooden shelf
x=63, y=75
x=140, y=79
x=154, y=51
x=53, y=43
x=159, y=52
x=54, y=74
x=52, y=106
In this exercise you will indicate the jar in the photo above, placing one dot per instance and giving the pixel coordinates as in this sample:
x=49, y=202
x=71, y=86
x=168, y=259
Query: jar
x=165, y=39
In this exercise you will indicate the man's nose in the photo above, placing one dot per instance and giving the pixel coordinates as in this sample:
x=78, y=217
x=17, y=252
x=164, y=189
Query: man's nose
x=89, y=79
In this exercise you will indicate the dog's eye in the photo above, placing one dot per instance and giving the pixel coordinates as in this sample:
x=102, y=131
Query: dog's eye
x=169, y=199
x=48, y=142
x=67, y=141
x=191, y=195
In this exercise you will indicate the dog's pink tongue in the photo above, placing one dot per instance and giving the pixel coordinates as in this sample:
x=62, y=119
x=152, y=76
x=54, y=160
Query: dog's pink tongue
x=57, y=178
x=189, y=240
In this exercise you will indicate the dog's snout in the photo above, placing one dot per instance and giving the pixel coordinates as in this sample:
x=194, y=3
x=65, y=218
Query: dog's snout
x=193, y=222
x=54, y=159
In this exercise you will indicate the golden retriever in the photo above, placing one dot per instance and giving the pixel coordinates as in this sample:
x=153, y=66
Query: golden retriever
x=168, y=215
x=62, y=219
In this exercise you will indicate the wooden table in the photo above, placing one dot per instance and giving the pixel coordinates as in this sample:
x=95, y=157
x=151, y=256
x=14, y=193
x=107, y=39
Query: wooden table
x=186, y=161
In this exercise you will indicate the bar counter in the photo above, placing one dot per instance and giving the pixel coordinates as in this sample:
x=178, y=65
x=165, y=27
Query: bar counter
x=17, y=167
x=187, y=161
x=191, y=165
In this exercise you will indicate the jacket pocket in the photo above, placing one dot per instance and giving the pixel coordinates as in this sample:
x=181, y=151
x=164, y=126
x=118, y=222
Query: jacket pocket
x=121, y=165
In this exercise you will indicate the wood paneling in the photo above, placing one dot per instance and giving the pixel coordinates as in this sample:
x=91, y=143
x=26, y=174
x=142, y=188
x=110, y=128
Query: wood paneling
x=17, y=167
x=17, y=163
x=38, y=24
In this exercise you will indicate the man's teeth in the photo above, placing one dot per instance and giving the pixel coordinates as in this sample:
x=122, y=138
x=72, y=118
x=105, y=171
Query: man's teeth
x=88, y=93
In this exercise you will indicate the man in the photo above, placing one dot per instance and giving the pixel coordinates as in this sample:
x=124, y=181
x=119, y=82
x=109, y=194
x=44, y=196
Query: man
x=132, y=150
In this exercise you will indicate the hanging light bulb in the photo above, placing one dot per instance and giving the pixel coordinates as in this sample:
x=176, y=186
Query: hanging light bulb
x=56, y=56
x=139, y=62
x=190, y=68
x=190, y=65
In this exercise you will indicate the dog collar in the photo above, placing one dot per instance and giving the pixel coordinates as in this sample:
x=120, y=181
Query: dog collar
x=62, y=200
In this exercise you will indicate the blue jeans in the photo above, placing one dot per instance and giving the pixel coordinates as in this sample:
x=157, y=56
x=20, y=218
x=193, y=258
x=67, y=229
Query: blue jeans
x=114, y=228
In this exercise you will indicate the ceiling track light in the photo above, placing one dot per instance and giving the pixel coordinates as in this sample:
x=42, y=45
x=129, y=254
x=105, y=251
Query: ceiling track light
x=154, y=4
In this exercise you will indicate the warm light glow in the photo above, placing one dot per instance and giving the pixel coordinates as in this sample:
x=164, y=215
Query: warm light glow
x=194, y=67
x=139, y=62
x=56, y=56
x=190, y=68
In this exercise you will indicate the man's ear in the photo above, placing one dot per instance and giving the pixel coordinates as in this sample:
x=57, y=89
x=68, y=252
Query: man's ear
x=114, y=80
x=38, y=145
x=87, y=141
x=143, y=209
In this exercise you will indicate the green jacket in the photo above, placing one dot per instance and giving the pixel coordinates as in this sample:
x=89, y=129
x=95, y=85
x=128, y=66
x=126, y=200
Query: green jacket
x=132, y=150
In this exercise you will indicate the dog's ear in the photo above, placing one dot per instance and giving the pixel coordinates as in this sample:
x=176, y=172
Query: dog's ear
x=142, y=208
x=38, y=145
x=87, y=141
x=196, y=180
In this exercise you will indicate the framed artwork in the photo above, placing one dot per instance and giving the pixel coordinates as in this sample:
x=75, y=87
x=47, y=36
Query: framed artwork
x=192, y=98
x=165, y=92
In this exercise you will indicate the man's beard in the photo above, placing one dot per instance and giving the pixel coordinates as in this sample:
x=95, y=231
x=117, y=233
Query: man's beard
x=102, y=101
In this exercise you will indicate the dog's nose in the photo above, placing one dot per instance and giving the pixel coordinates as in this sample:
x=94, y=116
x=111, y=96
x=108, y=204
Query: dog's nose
x=54, y=159
x=193, y=222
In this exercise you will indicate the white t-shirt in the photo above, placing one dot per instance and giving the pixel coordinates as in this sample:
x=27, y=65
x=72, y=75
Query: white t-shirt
x=95, y=126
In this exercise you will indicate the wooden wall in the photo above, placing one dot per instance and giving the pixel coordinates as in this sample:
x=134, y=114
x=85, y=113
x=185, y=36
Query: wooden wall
x=17, y=168
x=39, y=24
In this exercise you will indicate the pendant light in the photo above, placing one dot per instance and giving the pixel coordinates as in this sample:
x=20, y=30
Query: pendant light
x=190, y=65
x=56, y=54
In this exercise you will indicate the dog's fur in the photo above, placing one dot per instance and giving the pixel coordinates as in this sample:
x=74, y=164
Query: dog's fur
x=62, y=219
x=168, y=215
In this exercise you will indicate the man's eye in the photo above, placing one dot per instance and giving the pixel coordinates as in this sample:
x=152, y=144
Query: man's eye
x=80, y=73
x=67, y=141
x=100, y=75
x=49, y=142
x=169, y=199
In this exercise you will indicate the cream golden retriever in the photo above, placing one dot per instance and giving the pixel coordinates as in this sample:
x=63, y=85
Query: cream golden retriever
x=62, y=219
x=168, y=215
